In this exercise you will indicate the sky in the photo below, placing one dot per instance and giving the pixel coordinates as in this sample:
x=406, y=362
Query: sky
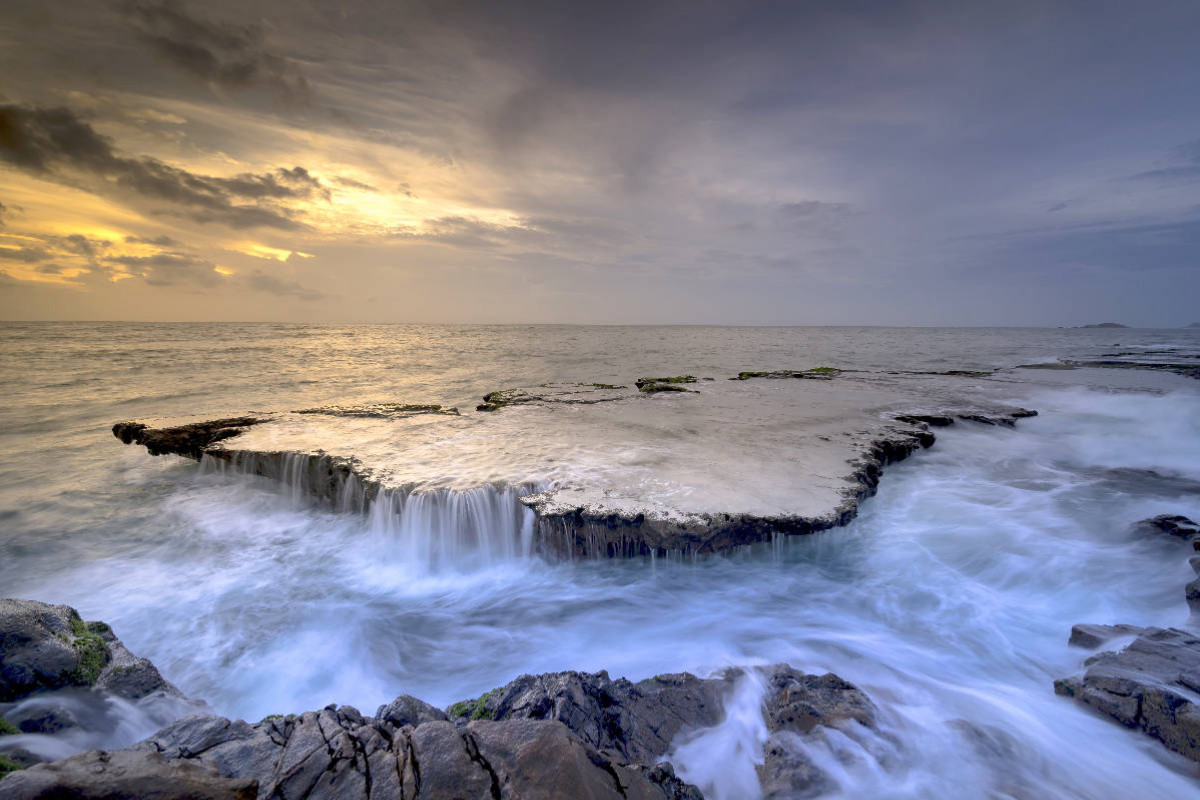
x=907, y=163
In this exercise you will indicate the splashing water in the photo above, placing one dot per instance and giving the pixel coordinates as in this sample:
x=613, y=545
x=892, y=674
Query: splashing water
x=949, y=600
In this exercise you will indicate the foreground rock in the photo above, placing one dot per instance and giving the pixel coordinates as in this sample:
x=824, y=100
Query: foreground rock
x=59, y=673
x=1152, y=685
x=50, y=647
x=1170, y=524
x=559, y=735
x=106, y=775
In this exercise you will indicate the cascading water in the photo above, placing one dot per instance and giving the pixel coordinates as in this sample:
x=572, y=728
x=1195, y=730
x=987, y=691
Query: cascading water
x=429, y=530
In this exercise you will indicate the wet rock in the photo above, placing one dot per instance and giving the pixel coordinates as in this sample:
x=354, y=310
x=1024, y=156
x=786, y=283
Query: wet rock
x=408, y=710
x=798, y=702
x=558, y=735
x=796, y=708
x=110, y=775
x=816, y=373
x=641, y=383
x=50, y=647
x=1090, y=636
x=637, y=721
x=1194, y=563
x=185, y=440
x=1151, y=685
x=49, y=719
x=336, y=753
x=934, y=420
x=1007, y=418
x=1170, y=524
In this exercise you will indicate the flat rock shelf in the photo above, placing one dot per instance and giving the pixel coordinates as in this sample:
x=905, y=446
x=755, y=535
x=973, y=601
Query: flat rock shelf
x=606, y=470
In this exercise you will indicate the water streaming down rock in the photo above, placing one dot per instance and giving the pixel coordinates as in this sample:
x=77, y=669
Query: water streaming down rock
x=430, y=529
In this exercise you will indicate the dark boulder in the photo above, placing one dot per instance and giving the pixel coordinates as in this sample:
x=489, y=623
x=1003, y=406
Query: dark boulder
x=1151, y=685
x=1170, y=524
x=1090, y=636
x=50, y=647
x=636, y=720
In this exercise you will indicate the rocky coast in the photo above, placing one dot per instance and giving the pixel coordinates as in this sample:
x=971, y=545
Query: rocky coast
x=558, y=735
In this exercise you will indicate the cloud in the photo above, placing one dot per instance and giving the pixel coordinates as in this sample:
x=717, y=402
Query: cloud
x=224, y=54
x=813, y=209
x=264, y=282
x=3, y=212
x=171, y=268
x=26, y=255
x=350, y=183
x=56, y=144
x=157, y=241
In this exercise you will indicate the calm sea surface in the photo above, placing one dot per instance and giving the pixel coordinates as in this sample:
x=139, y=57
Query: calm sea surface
x=950, y=598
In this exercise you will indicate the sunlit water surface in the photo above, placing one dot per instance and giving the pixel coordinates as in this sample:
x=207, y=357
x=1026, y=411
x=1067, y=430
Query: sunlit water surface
x=949, y=600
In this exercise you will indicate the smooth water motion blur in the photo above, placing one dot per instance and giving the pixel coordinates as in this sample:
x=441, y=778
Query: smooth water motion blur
x=949, y=600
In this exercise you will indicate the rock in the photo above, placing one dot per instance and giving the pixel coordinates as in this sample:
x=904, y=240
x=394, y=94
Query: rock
x=798, y=706
x=408, y=710
x=1194, y=563
x=636, y=720
x=110, y=775
x=1192, y=595
x=1171, y=524
x=50, y=647
x=540, y=737
x=798, y=702
x=1090, y=636
x=51, y=719
x=36, y=647
x=336, y=753
x=935, y=420
x=1151, y=685
x=185, y=440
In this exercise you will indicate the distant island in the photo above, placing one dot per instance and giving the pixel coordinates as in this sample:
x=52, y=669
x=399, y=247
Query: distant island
x=1194, y=325
x=1105, y=325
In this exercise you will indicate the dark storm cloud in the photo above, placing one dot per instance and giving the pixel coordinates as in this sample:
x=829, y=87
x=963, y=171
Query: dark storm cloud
x=55, y=143
x=26, y=255
x=170, y=268
x=229, y=55
x=157, y=241
x=264, y=282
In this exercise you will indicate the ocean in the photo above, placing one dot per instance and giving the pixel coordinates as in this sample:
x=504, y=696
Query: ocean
x=949, y=598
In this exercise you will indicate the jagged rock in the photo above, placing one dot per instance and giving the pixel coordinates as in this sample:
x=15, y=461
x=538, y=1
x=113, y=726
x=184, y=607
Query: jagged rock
x=50, y=647
x=186, y=440
x=1151, y=685
x=798, y=702
x=1170, y=524
x=118, y=774
x=408, y=710
x=935, y=420
x=1090, y=636
x=636, y=720
x=797, y=706
x=337, y=753
x=1006, y=418
x=559, y=735
x=1194, y=563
